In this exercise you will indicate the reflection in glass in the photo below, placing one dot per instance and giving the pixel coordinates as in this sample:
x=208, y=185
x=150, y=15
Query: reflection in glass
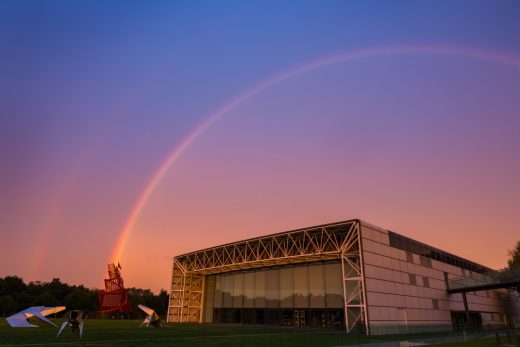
x=286, y=287
x=299, y=295
x=209, y=299
x=301, y=286
x=273, y=288
x=218, y=291
x=260, y=278
x=249, y=289
x=316, y=286
x=238, y=290
x=227, y=290
x=333, y=285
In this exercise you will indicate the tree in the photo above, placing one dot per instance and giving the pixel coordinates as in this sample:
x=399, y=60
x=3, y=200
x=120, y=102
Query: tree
x=46, y=299
x=161, y=302
x=80, y=298
x=514, y=260
x=15, y=296
x=58, y=289
x=11, y=284
x=7, y=305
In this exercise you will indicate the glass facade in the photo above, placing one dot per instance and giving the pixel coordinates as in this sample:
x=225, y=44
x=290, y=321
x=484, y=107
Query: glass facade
x=296, y=295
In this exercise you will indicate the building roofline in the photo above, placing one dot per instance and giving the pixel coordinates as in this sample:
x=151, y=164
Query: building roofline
x=360, y=221
x=271, y=235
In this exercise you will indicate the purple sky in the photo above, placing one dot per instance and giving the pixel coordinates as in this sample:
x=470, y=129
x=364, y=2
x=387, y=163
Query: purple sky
x=95, y=95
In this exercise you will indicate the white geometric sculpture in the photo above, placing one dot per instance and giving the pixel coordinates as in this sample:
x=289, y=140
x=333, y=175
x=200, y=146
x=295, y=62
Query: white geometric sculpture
x=19, y=320
x=74, y=319
x=151, y=318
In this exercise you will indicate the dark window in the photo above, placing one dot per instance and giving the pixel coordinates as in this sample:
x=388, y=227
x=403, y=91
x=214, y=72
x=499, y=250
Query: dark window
x=427, y=262
x=426, y=282
x=409, y=257
x=408, y=245
x=413, y=279
x=435, y=304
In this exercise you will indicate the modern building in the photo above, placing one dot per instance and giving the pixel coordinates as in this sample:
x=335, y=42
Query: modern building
x=348, y=275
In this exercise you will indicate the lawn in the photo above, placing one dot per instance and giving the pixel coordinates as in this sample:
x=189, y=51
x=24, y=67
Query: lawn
x=128, y=333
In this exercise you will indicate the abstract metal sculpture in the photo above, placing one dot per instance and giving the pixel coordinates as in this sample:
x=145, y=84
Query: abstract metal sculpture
x=75, y=320
x=151, y=318
x=19, y=320
x=114, y=298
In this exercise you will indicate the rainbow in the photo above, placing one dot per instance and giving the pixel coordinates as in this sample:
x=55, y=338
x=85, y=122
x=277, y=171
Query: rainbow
x=62, y=195
x=490, y=56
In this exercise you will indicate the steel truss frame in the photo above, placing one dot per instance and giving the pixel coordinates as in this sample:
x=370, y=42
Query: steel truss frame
x=186, y=296
x=333, y=241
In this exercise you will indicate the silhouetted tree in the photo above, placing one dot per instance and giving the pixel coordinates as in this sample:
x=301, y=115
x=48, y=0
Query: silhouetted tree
x=80, y=298
x=58, y=289
x=161, y=304
x=11, y=284
x=7, y=305
x=46, y=299
x=15, y=296
x=514, y=260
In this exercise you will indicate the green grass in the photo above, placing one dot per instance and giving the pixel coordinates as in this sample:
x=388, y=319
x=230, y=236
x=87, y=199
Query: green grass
x=488, y=342
x=128, y=333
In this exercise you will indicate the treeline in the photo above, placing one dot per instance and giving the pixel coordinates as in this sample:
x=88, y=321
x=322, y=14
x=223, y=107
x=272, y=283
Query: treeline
x=16, y=295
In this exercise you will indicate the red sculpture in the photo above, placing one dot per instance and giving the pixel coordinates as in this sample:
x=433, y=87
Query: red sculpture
x=114, y=298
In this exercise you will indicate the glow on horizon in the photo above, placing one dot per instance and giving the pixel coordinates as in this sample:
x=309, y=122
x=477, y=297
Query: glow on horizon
x=454, y=51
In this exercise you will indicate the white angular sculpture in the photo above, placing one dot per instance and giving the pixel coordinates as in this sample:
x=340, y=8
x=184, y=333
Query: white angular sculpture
x=151, y=318
x=19, y=320
x=74, y=319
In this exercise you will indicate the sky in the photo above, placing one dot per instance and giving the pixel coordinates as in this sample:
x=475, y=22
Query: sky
x=137, y=130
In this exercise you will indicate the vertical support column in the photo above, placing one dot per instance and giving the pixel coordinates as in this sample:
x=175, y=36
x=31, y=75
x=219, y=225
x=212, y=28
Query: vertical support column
x=466, y=309
x=202, y=300
x=193, y=293
x=169, y=300
x=175, y=305
x=186, y=296
x=353, y=282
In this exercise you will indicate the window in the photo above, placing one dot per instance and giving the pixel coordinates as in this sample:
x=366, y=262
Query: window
x=301, y=295
x=427, y=262
x=334, y=285
x=426, y=282
x=301, y=286
x=286, y=287
x=411, y=246
x=409, y=257
x=218, y=291
x=238, y=290
x=435, y=304
x=249, y=289
x=316, y=286
x=413, y=279
x=209, y=299
x=273, y=288
x=227, y=290
x=260, y=284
